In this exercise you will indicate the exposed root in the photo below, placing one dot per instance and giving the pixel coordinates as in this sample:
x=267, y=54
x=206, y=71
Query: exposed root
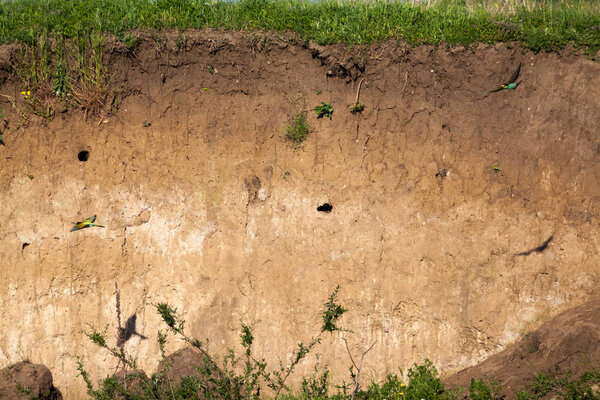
x=358, y=91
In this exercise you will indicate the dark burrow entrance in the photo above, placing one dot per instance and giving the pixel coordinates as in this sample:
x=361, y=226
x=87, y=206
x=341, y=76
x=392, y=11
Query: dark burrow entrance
x=326, y=207
x=83, y=155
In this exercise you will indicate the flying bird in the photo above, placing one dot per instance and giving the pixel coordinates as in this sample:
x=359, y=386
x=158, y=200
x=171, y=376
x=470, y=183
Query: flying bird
x=510, y=84
x=86, y=223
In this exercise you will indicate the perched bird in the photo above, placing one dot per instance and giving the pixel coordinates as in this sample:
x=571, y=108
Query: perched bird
x=511, y=84
x=86, y=223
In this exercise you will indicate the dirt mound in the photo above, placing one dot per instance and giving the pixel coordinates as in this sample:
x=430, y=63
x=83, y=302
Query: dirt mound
x=25, y=380
x=568, y=343
x=455, y=221
x=189, y=362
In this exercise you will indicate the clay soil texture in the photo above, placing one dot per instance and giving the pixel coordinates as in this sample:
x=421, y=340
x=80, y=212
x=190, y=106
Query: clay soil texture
x=456, y=223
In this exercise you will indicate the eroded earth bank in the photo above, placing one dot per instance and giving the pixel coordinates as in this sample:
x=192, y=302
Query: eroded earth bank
x=459, y=222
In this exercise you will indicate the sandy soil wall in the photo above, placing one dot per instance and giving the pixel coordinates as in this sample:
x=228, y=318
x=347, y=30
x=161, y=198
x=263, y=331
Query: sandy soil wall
x=211, y=210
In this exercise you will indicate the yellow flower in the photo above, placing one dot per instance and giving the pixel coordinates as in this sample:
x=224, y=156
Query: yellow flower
x=26, y=94
x=402, y=384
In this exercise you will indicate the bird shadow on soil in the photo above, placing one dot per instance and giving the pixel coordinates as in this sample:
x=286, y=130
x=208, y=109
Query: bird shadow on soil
x=128, y=331
x=539, y=248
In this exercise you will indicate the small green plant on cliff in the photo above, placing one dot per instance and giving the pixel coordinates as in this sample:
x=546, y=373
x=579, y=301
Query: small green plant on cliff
x=297, y=130
x=357, y=108
x=324, y=110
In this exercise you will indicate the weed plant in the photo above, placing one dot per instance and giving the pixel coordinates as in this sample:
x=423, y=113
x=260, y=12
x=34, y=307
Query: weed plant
x=357, y=108
x=563, y=387
x=297, y=130
x=240, y=377
x=245, y=376
x=56, y=72
x=324, y=110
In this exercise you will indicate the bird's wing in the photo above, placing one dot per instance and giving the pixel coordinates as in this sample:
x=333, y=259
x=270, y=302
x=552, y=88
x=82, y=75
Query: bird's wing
x=494, y=90
x=515, y=74
x=90, y=219
x=75, y=228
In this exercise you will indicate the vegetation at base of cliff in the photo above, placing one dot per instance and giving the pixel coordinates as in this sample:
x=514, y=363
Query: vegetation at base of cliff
x=247, y=377
x=586, y=387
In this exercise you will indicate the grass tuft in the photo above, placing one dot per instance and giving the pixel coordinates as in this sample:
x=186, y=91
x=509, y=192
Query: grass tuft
x=297, y=130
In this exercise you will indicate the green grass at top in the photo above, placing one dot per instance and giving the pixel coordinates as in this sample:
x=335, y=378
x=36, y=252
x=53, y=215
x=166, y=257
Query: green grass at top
x=542, y=24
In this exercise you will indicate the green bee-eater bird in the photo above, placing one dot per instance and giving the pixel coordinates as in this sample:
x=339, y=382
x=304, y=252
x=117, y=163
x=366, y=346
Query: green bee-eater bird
x=86, y=223
x=511, y=84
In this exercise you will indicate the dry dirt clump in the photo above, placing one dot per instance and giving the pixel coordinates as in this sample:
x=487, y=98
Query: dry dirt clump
x=189, y=362
x=459, y=220
x=25, y=380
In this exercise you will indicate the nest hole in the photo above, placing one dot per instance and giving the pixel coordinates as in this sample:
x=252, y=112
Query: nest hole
x=83, y=155
x=326, y=207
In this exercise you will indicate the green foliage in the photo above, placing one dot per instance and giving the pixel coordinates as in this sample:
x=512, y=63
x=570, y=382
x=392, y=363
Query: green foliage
x=130, y=41
x=357, y=108
x=23, y=390
x=97, y=338
x=391, y=388
x=332, y=313
x=424, y=383
x=57, y=72
x=59, y=88
x=162, y=342
x=562, y=388
x=479, y=390
x=242, y=378
x=146, y=123
x=324, y=109
x=61, y=62
x=239, y=378
x=316, y=386
x=538, y=25
x=247, y=338
x=169, y=316
x=542, y=384
x=297, y=130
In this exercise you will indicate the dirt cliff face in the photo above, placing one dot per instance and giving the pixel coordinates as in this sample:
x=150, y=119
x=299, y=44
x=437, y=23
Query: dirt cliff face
x=438, y=253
